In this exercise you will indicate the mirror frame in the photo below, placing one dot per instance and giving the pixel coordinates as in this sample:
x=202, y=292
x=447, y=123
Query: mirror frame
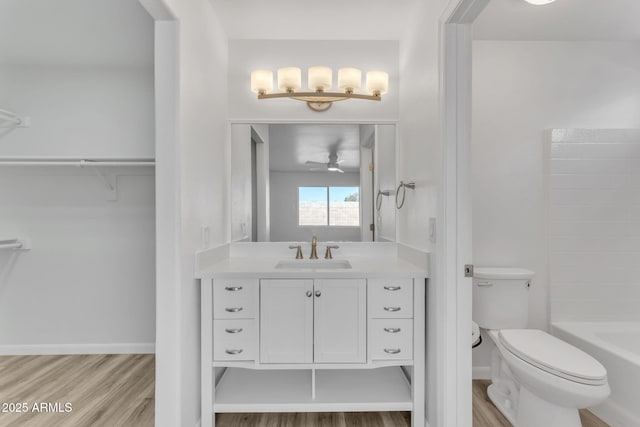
x=260, y=157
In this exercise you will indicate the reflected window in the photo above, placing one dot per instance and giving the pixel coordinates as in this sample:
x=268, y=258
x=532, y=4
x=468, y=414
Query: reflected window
x=329, y=206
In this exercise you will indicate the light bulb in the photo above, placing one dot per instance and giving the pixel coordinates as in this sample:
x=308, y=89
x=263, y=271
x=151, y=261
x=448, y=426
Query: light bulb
x=377, y=82
x=262, y=81
x=320, y=78
x=349, y=79
x=289, y=78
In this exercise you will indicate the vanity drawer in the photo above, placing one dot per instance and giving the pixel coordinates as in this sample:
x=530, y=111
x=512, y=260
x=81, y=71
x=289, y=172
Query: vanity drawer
x=390, y=298
x=235, y=299
x=391, y=339
x=234, y=339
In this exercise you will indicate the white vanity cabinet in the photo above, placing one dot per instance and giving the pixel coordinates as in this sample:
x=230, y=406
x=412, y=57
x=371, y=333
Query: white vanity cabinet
x=313, y=321
x=313, y=342
x=286, y=321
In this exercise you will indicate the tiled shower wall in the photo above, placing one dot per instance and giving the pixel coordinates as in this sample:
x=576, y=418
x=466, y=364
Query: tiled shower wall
x=594, y=224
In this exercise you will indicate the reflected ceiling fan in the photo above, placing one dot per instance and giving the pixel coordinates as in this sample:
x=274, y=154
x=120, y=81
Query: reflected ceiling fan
x=333, y=165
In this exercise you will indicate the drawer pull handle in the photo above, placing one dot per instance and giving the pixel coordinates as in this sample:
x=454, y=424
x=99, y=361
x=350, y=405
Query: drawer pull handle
x=485, y=284
x=233, y=331
x=393, y=288
x=233, y=309
x=392, y=308
x=392, y=350
x=392, y=330
x=233, y=288
x=238, y=351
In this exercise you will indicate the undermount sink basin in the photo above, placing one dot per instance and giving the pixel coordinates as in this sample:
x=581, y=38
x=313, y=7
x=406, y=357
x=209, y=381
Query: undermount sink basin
x=314, y=264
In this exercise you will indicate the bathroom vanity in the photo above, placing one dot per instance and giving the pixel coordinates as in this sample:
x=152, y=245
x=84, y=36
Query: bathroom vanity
x=286, y=335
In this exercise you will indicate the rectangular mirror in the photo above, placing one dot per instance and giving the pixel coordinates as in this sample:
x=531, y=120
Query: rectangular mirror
x=292, y=181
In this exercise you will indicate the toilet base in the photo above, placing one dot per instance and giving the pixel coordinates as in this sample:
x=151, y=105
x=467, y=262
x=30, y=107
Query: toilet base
x=502, y=402
x=533, y=411
x=536, y=412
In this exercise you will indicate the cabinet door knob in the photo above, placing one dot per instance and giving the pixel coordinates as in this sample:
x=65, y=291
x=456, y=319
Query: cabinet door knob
x=392, y=308
x=233, y=309
x=233, y=288
x=233, y=331
x=392, y=330
x=309, y=294
x=318, y=293
x=392, y=350
x=393, y=288
x=237, y=351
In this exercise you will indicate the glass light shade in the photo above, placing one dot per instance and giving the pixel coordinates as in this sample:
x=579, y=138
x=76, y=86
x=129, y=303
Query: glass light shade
x=377, y=82
x=349, y=79
x=539, y=2
x=320, y=78
x=289, y=78
x=262, y=81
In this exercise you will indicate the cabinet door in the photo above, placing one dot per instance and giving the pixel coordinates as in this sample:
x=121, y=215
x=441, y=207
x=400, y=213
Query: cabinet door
x=340, y=321
x=286, y=321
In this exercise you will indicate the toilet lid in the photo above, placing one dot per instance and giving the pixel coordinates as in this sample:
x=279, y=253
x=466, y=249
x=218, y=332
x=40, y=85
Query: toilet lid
x=553, y=355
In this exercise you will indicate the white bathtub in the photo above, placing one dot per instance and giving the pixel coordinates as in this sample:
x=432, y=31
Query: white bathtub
x=617, y=346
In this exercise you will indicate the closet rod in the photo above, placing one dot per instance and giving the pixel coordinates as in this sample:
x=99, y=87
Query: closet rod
x=78, y=163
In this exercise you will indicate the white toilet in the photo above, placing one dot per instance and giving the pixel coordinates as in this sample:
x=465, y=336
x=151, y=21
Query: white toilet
x=537, y=379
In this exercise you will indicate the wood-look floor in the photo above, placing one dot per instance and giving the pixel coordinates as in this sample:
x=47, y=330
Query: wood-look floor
x=104, y=390
x=118, y=390
x=316, y=419
x=487, y=415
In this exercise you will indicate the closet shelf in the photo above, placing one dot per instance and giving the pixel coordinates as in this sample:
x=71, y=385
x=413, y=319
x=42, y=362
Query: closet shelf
x=79, y=162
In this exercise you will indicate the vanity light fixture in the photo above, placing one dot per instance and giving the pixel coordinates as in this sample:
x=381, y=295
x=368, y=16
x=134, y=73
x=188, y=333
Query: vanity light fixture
x=319, y=83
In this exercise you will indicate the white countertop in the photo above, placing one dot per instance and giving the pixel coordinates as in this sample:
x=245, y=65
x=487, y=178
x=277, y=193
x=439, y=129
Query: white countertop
x=367, y=261
x=265, y=267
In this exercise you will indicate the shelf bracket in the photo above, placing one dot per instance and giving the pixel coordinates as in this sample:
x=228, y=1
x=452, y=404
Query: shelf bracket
x=110, y=181
x=9, y=119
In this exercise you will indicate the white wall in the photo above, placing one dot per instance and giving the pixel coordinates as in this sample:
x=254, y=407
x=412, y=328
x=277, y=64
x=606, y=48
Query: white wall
x=79, y=110
x=594, y=229
x=248, y=55
x=202, y=200
x=284, y=206
x=419, y=161
x=88, y=283
x=519, y=90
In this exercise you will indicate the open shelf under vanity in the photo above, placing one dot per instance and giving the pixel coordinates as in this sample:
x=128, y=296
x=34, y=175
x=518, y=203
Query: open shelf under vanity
x=311, y=390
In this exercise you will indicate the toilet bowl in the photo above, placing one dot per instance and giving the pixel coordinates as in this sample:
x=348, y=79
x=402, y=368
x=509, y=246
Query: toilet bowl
x=553, y=379
x=537, y=379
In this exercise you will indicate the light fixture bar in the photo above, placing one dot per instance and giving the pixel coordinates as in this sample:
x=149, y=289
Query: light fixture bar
x=332, y=96
x=320, y=81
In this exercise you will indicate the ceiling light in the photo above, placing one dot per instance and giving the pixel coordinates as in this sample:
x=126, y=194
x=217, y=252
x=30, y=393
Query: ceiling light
x=319, y=81
x=539, y=2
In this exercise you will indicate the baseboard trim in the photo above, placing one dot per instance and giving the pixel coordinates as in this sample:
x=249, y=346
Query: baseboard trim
x=42, y=349
x=481, y=373
x=613, y=414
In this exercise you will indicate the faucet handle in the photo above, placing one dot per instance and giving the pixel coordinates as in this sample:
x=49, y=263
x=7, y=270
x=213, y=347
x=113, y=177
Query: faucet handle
x=327, y=254
x=299, y=252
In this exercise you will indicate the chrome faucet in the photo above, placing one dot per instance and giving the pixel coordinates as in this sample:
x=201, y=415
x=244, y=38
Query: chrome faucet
x=314, y=243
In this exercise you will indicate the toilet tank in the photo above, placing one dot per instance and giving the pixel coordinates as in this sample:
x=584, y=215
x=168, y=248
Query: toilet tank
x=501, y=297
